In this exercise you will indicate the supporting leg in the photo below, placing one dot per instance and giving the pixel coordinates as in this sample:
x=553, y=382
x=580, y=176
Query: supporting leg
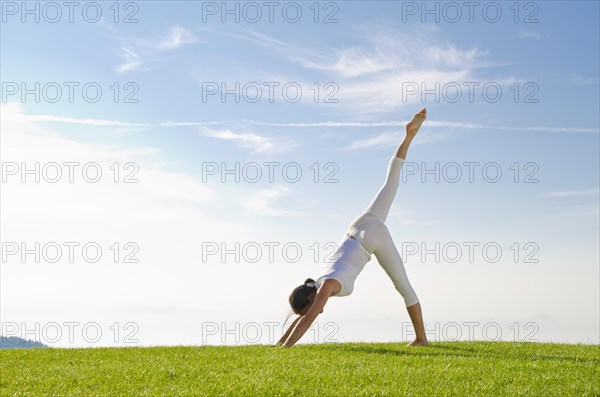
x=390, y=260
x=416, y=317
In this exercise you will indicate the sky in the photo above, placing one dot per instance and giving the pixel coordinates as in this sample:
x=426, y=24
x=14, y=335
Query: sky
x=172, y=170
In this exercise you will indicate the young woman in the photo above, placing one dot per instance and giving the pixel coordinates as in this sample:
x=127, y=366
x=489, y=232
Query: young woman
x=366, y=235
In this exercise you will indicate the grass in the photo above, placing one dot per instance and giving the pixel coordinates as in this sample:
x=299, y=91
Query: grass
x=344, y=369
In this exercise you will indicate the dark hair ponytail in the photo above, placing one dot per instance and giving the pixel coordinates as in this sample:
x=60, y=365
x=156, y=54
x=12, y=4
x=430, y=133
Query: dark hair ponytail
x=299, y=296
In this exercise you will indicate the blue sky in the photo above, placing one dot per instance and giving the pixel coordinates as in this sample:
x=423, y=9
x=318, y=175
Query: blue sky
x=371, y=54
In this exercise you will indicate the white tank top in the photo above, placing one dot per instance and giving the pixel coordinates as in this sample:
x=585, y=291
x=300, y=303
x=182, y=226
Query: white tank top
x=345, y=264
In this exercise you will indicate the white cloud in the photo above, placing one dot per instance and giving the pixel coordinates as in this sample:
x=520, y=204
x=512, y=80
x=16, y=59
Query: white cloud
x=530, y=34
x=254, y=142
x=549, y=129
x=355, y=62
x=427, y=123
x=25, y=140
x=379, y=140
x=260, y=203
x=167, y=214
x=373, y=76
x=406, y=217
x=188, y=123
x=130, y=60
x=571, y=193
x=398, y=123
x=117, y=123
x=136, y=53
x=84, y=121
x=578, y=79
x=394, y=139
x=177, y=37
x=397, y=56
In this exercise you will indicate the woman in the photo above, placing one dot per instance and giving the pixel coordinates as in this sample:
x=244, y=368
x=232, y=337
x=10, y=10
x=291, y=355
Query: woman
x=366, y=235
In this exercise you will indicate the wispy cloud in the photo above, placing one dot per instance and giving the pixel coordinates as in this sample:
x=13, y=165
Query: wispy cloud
x=160, y=215
x=85, y=121
x=379, y=140
x=264, y=143
x=248, y=140
x=177, y=37
x=578, y=79
x=548, y=129
x=188, y=123
x=572, y=193
x=295, y=52
x=135, y=53
x=118, y=123
x=261, y=202
x=392, y=139
x=375, y=74
x=394, y=123
x=130, y=60
x=391, y=57
x=23, y=138
x=530, y=34
x=406, y=217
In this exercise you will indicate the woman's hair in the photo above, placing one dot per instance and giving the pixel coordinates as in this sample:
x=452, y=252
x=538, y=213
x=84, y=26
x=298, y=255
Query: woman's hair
x=299, y=296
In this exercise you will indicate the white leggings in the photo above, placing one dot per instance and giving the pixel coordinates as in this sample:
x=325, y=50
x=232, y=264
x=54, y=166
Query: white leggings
x=370, y=230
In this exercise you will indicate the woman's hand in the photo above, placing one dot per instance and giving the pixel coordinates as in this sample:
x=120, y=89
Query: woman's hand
x=288, y=332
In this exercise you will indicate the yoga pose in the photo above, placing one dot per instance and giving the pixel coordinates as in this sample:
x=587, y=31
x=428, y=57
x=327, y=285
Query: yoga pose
x=366, y=235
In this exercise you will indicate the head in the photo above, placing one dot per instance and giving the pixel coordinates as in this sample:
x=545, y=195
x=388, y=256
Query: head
x=303, y=296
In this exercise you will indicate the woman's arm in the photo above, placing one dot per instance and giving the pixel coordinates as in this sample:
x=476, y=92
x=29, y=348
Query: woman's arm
x=300, y=329
x=289, y=331
x=315, y=309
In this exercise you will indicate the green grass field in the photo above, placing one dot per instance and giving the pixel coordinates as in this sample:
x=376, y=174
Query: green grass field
x=344, y=369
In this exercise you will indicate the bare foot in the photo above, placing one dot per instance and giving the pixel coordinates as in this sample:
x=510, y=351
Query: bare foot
x=418, y=342
x=413, y=125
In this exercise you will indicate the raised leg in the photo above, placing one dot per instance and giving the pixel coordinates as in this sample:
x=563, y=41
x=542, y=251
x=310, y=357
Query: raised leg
x=380, y=205
x=382, y=202
x=411, y=131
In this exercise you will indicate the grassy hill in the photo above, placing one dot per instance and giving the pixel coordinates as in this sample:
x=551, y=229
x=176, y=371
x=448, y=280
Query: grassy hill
x=345, y=369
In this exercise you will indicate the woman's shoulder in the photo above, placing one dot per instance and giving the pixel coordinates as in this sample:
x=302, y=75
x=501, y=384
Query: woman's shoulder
x=330, y=285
